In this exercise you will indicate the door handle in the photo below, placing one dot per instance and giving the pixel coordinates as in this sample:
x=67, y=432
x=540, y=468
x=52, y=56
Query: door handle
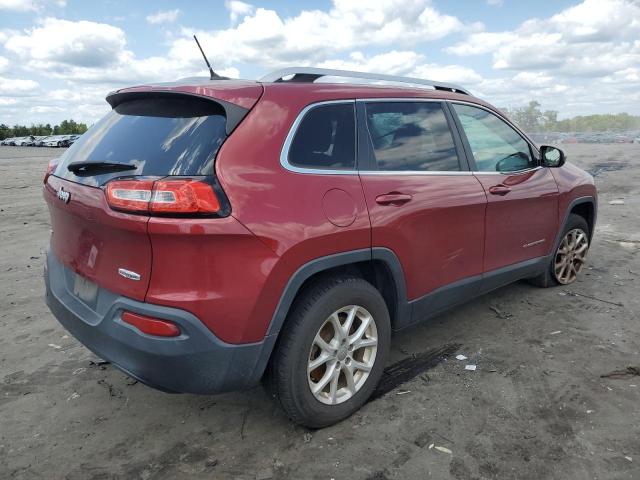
x=393, y=198
x=501, y=190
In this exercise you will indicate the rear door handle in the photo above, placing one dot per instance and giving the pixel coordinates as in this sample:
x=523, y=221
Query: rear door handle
x=501, y=190
x=393, y=198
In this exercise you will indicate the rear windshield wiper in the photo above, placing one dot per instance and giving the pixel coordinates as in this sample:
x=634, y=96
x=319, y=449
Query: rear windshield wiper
x=93, y=168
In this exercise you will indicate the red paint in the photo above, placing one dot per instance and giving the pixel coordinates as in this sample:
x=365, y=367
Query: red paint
x=526, y=213
x=437, y=235
x=231, y=272
x=94, y=240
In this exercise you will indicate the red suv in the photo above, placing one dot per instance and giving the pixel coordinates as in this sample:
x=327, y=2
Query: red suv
x=208, y=234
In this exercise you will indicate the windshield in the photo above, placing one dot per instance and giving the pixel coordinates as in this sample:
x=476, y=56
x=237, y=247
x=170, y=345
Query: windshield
x=160, y=136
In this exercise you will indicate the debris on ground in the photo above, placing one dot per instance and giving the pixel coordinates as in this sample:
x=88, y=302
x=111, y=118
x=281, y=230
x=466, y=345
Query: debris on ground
x=403, y=392
x=499, y=313
x=443, y=450
x=627, y=372
x=101, y=364
x=556, y=332
x=617, y=201
x=577, y=294
x=307, y=437
x=470, y=367
x=460, y=357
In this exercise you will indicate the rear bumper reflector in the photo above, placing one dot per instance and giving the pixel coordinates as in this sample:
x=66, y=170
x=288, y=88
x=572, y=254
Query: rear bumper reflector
x=151, y=326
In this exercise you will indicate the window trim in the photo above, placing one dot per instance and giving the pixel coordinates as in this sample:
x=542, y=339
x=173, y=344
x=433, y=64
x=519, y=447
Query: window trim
x=467, y=162
x=284, y=153
x=535, y=152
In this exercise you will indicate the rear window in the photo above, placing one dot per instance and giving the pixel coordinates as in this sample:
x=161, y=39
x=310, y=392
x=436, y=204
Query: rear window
x=161, y=136
x=326, y=139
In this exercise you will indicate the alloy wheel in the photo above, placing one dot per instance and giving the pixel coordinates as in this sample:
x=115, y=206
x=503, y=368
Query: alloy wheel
x=570, y=256
x=342, y=355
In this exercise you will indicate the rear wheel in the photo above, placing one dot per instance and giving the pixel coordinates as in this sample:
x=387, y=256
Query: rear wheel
x=569, y=257
x=332, y=351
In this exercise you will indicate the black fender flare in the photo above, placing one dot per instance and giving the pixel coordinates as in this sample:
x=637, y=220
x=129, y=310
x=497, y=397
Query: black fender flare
x=576, y=201
x=306, y=271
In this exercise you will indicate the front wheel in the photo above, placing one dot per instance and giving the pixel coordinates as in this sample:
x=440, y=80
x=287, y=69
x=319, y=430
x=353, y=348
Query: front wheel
x=332, y=351
x=570, y=255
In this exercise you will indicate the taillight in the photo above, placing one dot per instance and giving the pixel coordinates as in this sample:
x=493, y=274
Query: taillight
x=183, y=196
x=129, y=195
x=51, y=167
x=168, y=196
x=151, y=326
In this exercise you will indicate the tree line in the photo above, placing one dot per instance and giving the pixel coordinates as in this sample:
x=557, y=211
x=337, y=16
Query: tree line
x=66, y=127
x=532, y=119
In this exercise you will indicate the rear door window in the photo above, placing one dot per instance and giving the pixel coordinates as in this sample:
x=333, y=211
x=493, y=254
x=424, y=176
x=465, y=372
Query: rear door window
x=160, y=136
x=325, y=139
x=411, y=136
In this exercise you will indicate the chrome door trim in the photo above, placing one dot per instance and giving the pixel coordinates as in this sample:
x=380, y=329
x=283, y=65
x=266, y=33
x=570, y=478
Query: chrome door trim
x=284, y=153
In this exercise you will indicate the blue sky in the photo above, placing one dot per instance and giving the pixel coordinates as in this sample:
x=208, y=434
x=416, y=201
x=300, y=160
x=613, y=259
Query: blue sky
x=59, y=58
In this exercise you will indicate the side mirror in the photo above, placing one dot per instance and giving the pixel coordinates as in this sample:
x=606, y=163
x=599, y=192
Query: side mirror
x=552, y=157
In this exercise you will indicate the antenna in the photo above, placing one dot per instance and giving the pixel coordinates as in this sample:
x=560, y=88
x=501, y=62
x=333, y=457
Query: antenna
x=214, y=75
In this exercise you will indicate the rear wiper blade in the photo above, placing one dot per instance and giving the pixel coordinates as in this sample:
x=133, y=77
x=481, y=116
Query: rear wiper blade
x=92, y=168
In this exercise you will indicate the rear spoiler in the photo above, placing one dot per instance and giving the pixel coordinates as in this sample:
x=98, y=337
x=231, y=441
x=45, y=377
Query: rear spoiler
x=233, y=113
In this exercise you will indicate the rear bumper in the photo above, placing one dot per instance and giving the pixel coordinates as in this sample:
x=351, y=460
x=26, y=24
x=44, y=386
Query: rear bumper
x=194, y=362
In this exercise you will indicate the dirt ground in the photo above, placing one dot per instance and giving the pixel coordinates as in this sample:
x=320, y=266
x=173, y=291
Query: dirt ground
x=535, y=408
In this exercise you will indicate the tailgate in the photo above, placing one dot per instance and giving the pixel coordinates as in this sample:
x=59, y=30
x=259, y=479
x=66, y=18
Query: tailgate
x=95, y=241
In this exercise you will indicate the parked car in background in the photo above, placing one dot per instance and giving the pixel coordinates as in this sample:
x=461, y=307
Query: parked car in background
x=41, y=141
x=8, y=141
x=57, y=141
x=73, y=138
x=289, y=250
x=25, y=141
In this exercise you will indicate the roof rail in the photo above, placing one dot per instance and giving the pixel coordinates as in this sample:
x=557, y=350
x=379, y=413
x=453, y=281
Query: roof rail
x=310, y=74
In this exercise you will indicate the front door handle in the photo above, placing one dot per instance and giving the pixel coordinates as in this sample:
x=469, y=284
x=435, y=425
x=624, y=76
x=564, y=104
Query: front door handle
x=501, y=190
x=393, y=198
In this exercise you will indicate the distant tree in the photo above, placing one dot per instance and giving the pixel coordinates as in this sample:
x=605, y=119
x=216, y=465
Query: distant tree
x=5, y=131
x=533, y=119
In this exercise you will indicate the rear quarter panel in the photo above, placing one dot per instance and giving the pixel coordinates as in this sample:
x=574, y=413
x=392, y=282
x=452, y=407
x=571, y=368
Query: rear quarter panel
x=284, y=209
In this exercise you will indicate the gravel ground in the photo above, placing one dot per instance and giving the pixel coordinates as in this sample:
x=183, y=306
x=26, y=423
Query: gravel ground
x=535, y=408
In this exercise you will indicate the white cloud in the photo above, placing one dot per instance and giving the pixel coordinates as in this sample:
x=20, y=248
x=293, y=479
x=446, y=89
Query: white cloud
x=495, y=3
x=4, y=63
x=407, y=63
x=238, y=9
x=28, y=5
x=56, y=44
x=593, y=38
x=17, y=5
x=313, y=36
x=17, y=87
x=164, y=16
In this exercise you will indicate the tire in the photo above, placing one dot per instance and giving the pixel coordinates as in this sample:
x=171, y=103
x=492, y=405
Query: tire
x=549, y=277
x=311, y=316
